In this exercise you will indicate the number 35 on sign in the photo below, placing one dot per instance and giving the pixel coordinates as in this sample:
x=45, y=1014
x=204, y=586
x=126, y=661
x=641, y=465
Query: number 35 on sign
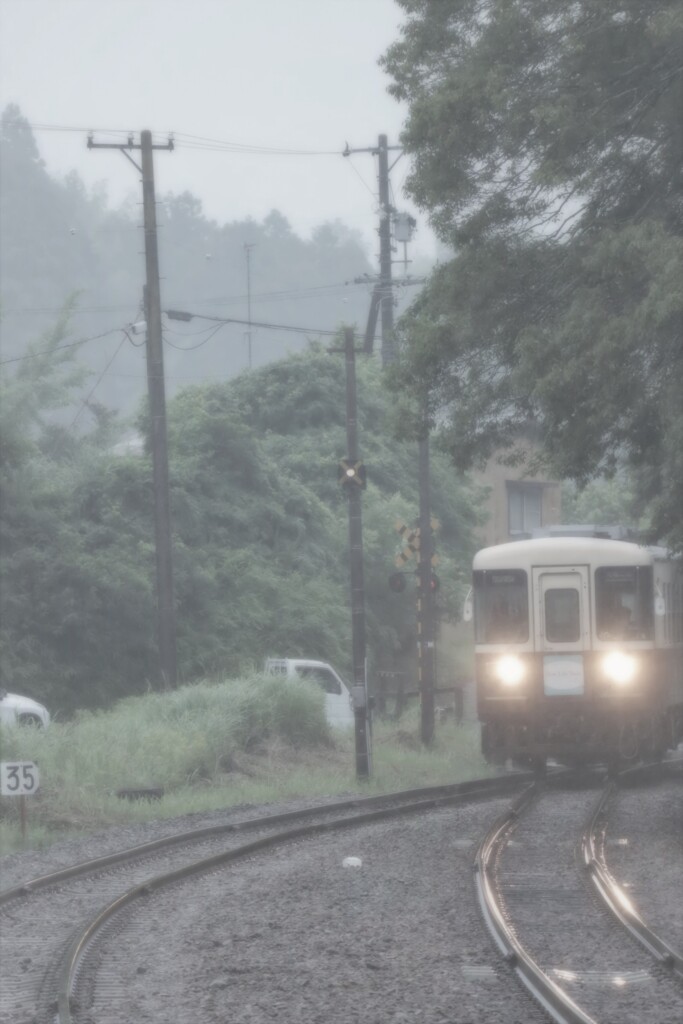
x=18, y=778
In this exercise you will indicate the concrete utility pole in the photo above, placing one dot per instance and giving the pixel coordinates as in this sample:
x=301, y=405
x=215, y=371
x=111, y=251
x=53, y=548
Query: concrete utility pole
x=386, y=295
x=426, y=631
x=157, y=407
x=352, y=477
x=385, y=282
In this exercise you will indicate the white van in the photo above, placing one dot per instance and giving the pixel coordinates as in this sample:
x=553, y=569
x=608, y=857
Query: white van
x=16, y=710
x=338, y=704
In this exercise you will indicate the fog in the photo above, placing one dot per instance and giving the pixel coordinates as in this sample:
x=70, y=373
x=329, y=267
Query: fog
x=262, y=96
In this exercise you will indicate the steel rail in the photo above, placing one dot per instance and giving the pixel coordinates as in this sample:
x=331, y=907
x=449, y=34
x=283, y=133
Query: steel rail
x=444, y=796
x=611, y=893
x=554, y=1000
x=474, y=789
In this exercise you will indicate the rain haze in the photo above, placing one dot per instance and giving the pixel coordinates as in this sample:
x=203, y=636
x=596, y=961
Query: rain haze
x=262, y=97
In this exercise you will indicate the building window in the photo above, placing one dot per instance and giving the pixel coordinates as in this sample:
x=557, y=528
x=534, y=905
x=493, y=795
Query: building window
x=524, y=507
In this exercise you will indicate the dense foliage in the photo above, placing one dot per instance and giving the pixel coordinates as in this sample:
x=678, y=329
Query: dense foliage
x=548, y=147
x=260, y=530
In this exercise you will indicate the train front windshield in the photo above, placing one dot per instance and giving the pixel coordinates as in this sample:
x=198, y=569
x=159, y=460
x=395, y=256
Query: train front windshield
x=501, y=606
x=624, y=602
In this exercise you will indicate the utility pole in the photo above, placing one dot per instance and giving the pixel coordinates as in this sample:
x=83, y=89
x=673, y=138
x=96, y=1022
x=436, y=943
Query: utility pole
x=385, y=282
x=386, y=295
x=352, y=477
x=157, y=406
x=426, y=632
x=248, y=246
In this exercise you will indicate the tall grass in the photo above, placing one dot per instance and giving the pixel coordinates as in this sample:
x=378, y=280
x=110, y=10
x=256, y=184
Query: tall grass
x=254, y=740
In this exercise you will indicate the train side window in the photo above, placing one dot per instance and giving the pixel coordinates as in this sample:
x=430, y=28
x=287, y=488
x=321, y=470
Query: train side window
x=501, y=606
x=624, y=602
x=562, y=615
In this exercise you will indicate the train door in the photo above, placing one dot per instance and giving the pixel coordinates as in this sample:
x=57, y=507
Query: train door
x=562, y=627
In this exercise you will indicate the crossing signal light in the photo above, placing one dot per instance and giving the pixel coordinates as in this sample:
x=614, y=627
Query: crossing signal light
x=434, y=582
x=350, y=473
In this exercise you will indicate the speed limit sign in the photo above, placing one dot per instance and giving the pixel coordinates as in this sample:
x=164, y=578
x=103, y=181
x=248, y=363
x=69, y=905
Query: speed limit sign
x=18, y=778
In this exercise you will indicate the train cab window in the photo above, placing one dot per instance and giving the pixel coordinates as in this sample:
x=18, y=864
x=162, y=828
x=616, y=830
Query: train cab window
x=562, y=615
x=501, y=606
x=624, y=602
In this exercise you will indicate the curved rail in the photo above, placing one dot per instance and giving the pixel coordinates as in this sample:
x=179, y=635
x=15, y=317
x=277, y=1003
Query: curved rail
x=415, y=801
x=557, y=1003
x=475, y=789
x=611, y=893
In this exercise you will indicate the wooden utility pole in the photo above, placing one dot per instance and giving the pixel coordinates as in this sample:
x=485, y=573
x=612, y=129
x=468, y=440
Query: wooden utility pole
x=166, y=625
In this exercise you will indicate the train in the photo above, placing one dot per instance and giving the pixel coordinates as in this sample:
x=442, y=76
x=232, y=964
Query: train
x=578, y=650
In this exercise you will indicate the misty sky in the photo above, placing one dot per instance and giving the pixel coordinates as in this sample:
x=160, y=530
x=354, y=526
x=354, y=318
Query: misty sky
x=273, y=74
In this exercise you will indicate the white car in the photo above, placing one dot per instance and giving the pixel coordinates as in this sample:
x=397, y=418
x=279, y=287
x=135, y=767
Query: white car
x=338, y=703
x=16, y=710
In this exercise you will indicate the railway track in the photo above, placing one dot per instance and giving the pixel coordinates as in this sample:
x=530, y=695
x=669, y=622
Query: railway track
x=541, y=872
x=50, y=969
x=102, y=959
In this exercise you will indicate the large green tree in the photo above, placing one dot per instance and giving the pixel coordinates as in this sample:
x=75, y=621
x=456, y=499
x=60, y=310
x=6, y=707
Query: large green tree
x=260, y=530
x=548, y=149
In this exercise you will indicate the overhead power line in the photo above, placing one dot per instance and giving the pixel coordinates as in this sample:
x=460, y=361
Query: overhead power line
x=310, y=292
x=188, y=141
x=59, y=348
x=178, y=314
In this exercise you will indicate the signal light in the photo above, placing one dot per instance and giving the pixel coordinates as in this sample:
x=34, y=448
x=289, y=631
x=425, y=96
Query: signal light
x=351, y=473
x=434, y=582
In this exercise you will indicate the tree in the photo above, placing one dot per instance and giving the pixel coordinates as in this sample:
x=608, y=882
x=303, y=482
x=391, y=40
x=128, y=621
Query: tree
x=259, y=522
x=76, y=597
x=548, y=149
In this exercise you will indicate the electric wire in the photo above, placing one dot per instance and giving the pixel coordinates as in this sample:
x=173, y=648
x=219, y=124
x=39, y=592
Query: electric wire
x=191, y=348
x=58, y=348
x=97, y=383
x=312, y=331
x=189, y=141
x=312, y=291
x=362, y=179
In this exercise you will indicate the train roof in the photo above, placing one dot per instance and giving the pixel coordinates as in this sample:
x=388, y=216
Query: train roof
x=564, y=551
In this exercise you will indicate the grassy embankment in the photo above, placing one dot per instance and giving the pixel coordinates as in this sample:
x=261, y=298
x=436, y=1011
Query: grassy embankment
x=209, y=746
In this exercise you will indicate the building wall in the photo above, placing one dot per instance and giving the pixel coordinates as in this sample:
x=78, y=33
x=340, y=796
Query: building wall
x=516, y=502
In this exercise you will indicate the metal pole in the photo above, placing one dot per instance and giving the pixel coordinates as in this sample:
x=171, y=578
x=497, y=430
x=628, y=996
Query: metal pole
x=157, y=409
x=425, y=622
x=356, y=567
x=385, y=282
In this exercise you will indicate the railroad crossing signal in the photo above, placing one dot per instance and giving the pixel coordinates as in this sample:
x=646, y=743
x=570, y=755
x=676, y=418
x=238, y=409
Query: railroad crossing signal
x=411, y=539
x=351, y=473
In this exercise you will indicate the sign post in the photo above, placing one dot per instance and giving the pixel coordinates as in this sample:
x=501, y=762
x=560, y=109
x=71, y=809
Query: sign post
x=19, y=778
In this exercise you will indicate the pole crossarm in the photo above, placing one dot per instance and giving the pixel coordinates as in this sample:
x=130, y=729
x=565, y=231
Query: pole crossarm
x=347, y=151
x=124, y=147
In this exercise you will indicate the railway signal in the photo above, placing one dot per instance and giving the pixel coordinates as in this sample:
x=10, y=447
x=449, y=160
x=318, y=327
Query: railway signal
x=350, y=473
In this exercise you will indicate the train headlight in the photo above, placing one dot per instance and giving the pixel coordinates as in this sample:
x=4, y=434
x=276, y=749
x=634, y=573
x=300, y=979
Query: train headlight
x=620, y=668
x=509, y=670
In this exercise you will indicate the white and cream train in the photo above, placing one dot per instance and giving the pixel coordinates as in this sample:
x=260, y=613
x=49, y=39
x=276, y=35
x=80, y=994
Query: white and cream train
x=578, y=650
